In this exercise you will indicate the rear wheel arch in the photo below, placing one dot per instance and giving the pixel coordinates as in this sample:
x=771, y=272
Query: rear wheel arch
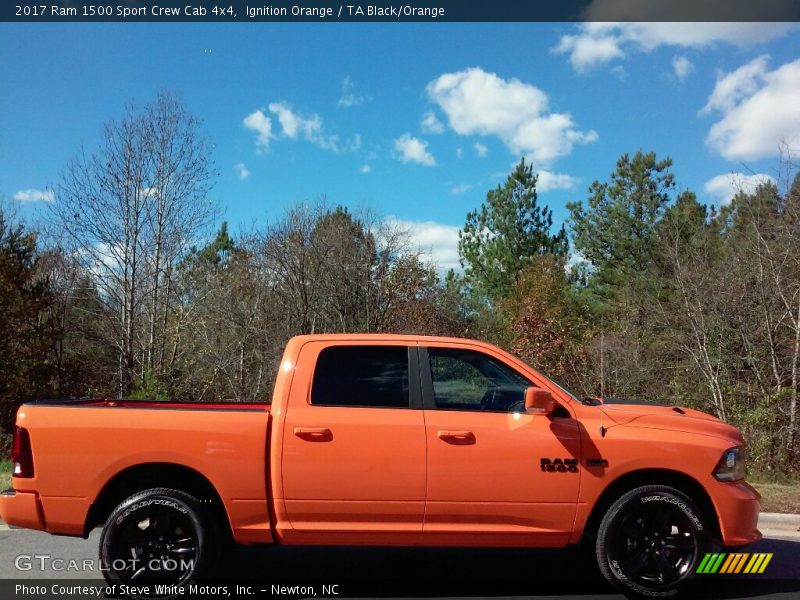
x=154, y=475
x=634, y=479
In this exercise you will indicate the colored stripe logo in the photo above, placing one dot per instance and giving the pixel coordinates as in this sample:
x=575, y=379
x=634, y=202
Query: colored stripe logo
x=734, y=562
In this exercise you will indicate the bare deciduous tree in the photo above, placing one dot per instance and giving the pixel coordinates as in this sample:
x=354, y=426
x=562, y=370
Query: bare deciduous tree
x=129, y=211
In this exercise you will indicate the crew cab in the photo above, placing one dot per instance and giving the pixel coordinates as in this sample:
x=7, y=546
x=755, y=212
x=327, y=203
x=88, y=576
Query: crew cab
x=386, y=440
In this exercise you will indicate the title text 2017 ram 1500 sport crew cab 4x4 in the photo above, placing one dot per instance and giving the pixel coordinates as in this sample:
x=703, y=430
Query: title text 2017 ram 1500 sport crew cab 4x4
x=386, y=440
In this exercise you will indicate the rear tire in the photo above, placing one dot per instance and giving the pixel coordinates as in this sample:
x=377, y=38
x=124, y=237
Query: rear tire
x=158, y=536
x=651, y=540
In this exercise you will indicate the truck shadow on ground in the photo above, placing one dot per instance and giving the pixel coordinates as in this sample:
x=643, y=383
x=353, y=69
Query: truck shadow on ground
x=449, y=572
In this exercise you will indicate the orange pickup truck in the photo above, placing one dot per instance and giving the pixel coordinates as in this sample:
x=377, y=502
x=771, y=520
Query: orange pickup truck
x=386, y=440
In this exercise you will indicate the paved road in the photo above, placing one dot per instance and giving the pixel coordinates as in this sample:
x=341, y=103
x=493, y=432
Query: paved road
x=437, y=572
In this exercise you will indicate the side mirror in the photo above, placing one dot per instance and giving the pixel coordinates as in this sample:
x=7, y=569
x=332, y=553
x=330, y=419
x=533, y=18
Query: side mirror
x=539, y=401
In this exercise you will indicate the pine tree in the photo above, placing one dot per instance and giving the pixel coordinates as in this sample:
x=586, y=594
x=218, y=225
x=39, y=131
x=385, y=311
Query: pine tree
x=614, y=231
x=506, y=234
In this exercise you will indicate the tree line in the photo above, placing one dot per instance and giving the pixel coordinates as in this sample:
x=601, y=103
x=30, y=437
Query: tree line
x=133, y=286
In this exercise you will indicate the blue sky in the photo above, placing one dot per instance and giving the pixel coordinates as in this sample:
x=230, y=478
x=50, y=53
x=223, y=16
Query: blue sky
x=416, y=121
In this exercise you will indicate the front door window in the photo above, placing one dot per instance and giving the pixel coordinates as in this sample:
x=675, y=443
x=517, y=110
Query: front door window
x=468, y=380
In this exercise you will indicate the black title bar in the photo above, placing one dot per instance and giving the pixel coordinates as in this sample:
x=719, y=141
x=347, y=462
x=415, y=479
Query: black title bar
x=401, y=11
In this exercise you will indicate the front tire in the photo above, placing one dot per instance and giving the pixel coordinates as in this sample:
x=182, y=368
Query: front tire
x=158, y=536
x=651, y=540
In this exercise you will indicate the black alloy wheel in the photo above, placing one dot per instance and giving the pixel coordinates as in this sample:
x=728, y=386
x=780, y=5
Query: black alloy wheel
x=651, y=541
x=157, y=537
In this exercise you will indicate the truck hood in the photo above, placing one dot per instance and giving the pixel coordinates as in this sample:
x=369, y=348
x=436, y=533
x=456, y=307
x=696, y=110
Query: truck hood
x=684, y=420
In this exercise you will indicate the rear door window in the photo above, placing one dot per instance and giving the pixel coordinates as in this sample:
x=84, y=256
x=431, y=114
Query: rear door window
x=362, y=376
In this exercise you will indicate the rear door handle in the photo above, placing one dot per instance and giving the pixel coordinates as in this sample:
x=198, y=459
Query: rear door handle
x=314, y=434
x=456, y=437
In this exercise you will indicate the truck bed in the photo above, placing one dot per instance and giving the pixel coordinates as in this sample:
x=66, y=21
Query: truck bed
x=83, y=447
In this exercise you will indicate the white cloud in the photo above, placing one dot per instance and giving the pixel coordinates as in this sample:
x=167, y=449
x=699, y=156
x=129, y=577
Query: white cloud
x=260, y=123
x=291, y=123
x=619, y=72
x=599, y=43
x=481, y=149
x=407, y=149
x=481, y=103
x=436, y=242
x=724, y=187
x=295, y=126
x=459, y=189
x=365, y=169
x=431, y=123
x=548, y=180
x=109, y=254
x=349, y=98
x=459, y=152
x=575, y=259
x=34, y=195
x=682, y=67
x=242, y=171
x=731, y=88
x=101, y=259
x=587, y=51
x=759, y=110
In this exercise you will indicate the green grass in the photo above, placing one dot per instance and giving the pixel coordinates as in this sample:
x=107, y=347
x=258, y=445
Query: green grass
x=779, y=493
x=5, y=474
x=779, y=497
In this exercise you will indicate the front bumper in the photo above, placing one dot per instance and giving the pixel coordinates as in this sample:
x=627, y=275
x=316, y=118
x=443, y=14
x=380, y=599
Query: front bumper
x=738, y=505
x=21, y=509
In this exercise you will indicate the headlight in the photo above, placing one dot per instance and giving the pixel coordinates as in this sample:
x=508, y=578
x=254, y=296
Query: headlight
x=731, y=466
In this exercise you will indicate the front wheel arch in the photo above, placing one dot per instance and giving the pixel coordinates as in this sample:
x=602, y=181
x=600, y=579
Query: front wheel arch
x=634, y=479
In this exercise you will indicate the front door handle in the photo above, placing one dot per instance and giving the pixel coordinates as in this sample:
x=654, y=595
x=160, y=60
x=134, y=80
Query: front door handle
x=456, y=437
x=314, y=434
